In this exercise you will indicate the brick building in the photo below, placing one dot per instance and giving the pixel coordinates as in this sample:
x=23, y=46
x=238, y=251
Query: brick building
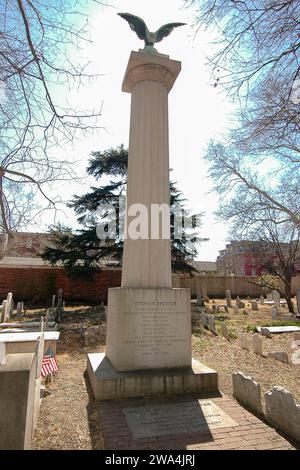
x=23, y=244
x=244, y=258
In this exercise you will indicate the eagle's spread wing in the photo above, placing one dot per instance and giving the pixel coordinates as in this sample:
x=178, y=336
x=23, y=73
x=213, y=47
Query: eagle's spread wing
x=165, y=30
x=136, y=24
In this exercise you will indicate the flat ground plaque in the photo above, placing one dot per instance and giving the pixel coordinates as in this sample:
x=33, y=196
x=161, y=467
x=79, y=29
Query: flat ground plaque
x=178, y=418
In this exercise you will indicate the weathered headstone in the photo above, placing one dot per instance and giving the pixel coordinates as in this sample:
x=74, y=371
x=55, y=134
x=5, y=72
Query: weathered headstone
x=269, y=297
x=228, y=298
x=276, y=298
x=274, y=311
x=257, y=344
x=254, y=305
x=281, y=356
x=204, y=319
x=203, y=289
x=19, y=309
x=238, y=302
x=262, y=300
x=200, y=302
x=212, y=324
x=247, y=391
x=225, y=331
x=282, y=411
x=4, y=312
x=7, y=308
x=236, y=309
x=244, y=341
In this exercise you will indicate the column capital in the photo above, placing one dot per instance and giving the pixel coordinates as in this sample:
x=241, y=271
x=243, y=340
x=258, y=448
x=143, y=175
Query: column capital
x=154, y=67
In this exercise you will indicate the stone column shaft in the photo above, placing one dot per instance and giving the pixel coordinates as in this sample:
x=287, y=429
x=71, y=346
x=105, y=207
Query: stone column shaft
x=149, y=77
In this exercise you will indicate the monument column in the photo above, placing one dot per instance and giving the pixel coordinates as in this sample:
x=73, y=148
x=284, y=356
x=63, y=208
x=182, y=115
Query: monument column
x=147, y=260
x=148, y=340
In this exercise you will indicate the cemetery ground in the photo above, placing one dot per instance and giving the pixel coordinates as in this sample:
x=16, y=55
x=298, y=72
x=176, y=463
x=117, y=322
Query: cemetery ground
x=69, y=418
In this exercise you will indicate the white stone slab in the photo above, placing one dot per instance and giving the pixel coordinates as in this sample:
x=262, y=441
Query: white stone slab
x=29, y=336
x=177, y=418
x=26, y=324
x=279, y=329
x=271, y=302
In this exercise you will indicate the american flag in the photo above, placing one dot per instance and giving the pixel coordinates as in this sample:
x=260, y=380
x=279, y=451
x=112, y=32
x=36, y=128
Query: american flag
x=49, y=364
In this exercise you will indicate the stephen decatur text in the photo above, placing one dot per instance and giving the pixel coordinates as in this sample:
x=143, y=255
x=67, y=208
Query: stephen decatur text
x=141, y=302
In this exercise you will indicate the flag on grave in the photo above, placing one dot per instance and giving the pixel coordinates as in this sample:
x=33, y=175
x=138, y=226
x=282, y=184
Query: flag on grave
x=49, y=364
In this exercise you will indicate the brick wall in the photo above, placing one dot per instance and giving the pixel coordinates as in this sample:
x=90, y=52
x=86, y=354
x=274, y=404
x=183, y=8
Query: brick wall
x=38, y=284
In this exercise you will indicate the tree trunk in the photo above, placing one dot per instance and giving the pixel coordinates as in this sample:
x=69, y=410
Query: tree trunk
x=288, y=295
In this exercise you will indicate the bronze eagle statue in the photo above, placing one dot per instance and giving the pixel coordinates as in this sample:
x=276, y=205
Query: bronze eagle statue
x=139, y=27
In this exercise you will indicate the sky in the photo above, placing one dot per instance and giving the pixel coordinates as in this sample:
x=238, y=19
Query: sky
x=197, y=111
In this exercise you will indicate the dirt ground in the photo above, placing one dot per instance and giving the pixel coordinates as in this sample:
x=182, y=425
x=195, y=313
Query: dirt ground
x=68, y=417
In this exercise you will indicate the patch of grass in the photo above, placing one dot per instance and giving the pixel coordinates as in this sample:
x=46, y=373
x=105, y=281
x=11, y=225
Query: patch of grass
x=252, y=326
x=199, y=344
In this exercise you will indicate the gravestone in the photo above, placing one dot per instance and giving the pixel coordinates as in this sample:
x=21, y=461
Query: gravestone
x=262, y=300
x=283, y=411
x=203, y=289
x=254, y=305
x=257, y=344
x=212, y=324
x=269, y=297
x=228, y=298
x=247, y=391
x=238, y=302
x=225, y=331
x=19, y=309
x=4, y=312
x=274, y=311
x=244, y=341
x=204, y=319
x=276, y=298
x=200, y=302
x=242, y=304
x=236, y=309
x=7, y=307
x=281, y=356
x=148, y=338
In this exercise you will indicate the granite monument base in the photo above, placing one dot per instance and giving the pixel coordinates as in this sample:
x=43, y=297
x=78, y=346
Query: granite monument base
x=109, y=384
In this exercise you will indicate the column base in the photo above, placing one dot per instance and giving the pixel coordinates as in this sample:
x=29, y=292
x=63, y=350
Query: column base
x=109, y=384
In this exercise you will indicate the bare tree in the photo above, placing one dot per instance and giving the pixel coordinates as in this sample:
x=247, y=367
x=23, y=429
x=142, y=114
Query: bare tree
x=255, y=58
x=253, y=217
x=37, y=41
x=256, y=40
